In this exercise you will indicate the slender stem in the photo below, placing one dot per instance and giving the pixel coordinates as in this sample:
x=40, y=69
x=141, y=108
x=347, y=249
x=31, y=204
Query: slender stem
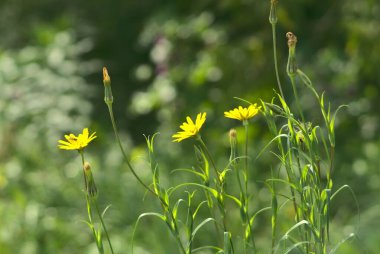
x=303, y=200
x=123, y=152
x=163, y=202
x=99, y=245
x=329, y=173
x=199, y=138
x=292, y=79
x=84, y=174
x=274, y=214
x=246, y=176
x=275, y=59
x=246, y=179
x=102, y=222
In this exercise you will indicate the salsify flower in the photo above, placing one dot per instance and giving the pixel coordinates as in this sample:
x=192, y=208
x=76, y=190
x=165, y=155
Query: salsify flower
x=190, y=128
x=79, y=142
x=243, y=114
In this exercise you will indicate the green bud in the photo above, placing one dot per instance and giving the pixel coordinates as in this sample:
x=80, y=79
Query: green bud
x=233, y=141
x=273, y=12
x=89, y=181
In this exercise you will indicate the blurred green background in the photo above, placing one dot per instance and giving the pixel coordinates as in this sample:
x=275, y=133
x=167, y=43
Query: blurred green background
x=167, y=60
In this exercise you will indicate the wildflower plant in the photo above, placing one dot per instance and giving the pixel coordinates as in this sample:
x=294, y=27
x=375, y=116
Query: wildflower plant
x=79, y=143
x=304, y=151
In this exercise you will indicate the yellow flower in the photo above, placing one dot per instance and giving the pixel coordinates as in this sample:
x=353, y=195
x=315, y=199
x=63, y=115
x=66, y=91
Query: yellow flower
x=190, y=128
x=242, y=114
x=76, y=142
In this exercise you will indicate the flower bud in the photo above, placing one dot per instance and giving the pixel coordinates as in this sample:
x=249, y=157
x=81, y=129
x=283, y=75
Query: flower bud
x=291, y=67
x=89, y=181
x=273, y=12
x=108, y=98
x=233, y=141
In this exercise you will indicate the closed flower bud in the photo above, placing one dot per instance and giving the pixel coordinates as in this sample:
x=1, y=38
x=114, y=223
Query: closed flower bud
x=291, y=67
x=273, y=12
x=233, y=141
x=89, y=181
x=108, y=98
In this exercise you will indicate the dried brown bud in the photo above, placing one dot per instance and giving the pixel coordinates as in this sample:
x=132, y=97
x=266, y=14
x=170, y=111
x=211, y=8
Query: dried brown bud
x=292, y=39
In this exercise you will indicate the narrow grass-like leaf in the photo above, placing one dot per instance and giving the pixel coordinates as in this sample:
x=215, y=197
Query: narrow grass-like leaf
x=237, y=201
x=200, y=225
x=252, y=220
x=293, y=186
x=211, y=190
x=192, y=171
x=105, y=210
x=352, y=235
x=176, y=206
x=198, y=207
x=240, y=99
x=353, y=196
x=269, y=143
x=294, y=246
x=216, y=248
x=158, y=215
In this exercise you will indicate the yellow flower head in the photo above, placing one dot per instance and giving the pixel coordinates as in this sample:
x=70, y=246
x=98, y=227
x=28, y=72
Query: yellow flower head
x=241, y=113
x=190, y=128
x=76, y=142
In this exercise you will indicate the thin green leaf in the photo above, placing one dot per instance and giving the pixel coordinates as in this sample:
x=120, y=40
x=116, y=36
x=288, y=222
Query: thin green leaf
x=352, y=235
x=211, y=190
x=105, y=210
x=199, y=227
x=189, y=171
x=176, y=206
x=158, y=215
x=252, y=220
x=237, y=201
x=198, y=207
x=296, y=245
x=207, y=248
x=269, y=143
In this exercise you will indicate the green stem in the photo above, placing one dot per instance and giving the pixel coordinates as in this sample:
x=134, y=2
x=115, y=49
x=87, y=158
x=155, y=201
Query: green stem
x=163, y=202
x=329, y=173
x=221, y=190
x=123, y=152
x=275, y=59
x=292, y=79
x=99, y=245
x=246, y=179
x=103, y=224
x=199, y=138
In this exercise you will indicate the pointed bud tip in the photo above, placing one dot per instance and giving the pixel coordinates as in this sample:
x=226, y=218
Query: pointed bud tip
x=106, y=77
